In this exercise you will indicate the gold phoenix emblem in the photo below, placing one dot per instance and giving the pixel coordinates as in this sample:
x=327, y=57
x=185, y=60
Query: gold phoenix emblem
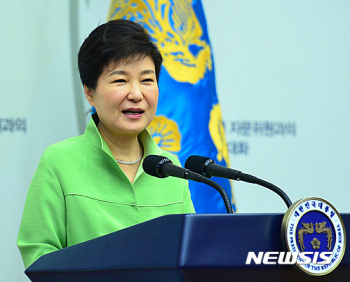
x=165, y=133
x=310, y=228
x=321, y=228
x=176, y=31
x=217, y=133
x=307, y=229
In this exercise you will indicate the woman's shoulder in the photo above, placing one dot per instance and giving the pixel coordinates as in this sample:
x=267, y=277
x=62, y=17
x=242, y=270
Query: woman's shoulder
x=66, y=146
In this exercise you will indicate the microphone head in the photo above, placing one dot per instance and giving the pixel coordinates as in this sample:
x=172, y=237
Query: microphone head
x=199, y=164
x=152, y=165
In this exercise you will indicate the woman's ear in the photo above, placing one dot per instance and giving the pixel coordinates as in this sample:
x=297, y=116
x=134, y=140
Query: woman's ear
x=89, y=95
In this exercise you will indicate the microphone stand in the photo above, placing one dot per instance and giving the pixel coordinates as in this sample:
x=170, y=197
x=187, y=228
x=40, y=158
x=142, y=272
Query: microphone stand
x=199, y=178
x=222, y=192
x=252, y=179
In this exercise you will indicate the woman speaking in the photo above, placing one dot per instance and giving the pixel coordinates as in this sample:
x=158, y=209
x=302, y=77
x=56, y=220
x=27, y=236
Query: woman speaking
x=94, y=184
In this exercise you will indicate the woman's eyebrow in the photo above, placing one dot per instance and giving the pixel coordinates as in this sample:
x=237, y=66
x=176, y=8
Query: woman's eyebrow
x=118, y=72
x=121, y=72
x=147, y=71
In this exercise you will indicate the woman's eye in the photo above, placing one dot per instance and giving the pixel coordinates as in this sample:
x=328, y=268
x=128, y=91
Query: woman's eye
x=147, y=80
x=119, y=81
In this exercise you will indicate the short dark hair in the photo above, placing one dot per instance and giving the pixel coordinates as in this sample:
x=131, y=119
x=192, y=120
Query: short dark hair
x=112, y=42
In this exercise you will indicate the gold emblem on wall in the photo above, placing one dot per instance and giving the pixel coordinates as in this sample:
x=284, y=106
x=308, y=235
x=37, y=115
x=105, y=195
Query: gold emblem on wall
x=175, y=29
x=165, y=133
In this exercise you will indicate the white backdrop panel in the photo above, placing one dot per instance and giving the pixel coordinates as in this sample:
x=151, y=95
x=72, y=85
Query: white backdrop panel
x=285, y=62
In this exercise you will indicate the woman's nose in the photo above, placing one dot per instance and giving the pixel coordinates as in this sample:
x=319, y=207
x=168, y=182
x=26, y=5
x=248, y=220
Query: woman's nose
x=135, y=93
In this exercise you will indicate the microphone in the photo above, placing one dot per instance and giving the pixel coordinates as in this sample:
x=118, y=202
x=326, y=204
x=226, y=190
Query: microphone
x=208, y=168
x=161, y=167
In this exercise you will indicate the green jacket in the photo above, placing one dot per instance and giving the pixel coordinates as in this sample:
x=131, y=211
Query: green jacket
x=79, y=192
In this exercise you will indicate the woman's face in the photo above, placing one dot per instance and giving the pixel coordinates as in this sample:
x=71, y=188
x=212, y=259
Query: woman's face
x=126, y=96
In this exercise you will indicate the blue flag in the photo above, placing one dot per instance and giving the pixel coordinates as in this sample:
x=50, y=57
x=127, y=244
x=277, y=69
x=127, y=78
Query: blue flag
x=188, y=119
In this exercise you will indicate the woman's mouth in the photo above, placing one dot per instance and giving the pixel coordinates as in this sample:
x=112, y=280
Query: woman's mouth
x=133, y=112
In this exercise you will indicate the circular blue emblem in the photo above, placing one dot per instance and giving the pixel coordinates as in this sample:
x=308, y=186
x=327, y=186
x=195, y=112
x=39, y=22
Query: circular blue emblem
x=313, y=231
